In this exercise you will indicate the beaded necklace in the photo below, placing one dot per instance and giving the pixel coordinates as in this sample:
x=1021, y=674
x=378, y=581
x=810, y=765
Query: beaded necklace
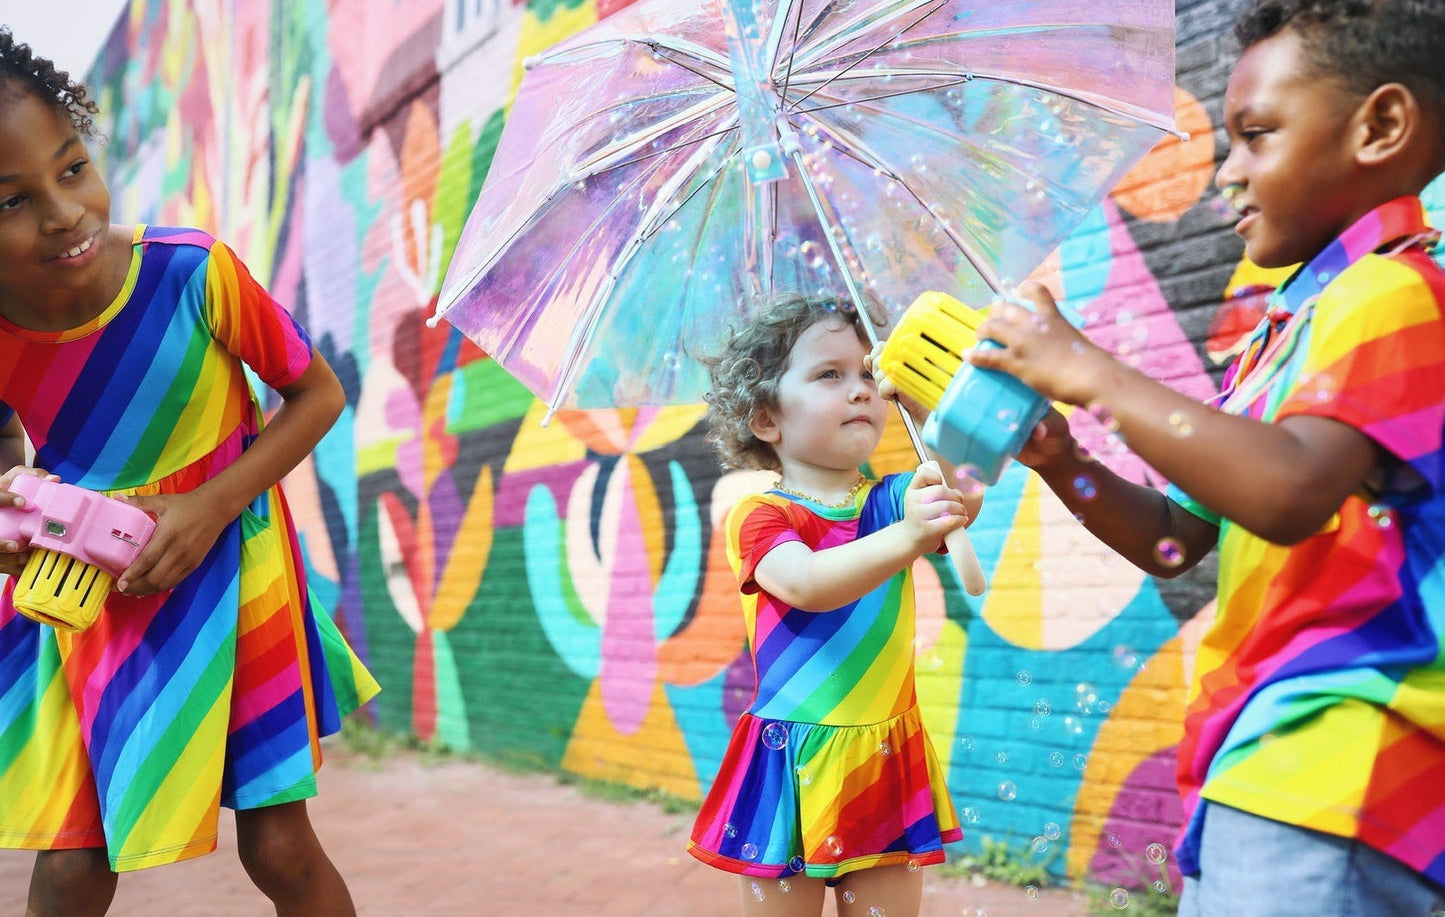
x=846, y=501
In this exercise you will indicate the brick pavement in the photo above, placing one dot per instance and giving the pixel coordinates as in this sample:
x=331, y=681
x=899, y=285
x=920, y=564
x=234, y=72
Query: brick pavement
x=416, y=836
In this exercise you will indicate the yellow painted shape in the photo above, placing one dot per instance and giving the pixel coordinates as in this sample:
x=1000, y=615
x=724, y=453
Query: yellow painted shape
x=467, y=562
x=654, y=757
x=1014, y=604
x=1148, y=718
x=939, y=680
x=537, y=446
x=537, y=36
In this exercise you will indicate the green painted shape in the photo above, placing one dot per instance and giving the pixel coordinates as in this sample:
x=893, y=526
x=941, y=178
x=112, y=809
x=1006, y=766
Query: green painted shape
x=522, y=700
x=451, y=703
x=391, y=645
x=484, y=395
x=544, y=9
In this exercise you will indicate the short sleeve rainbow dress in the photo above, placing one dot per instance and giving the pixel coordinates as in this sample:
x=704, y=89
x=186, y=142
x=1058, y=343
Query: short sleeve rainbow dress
x=829, y=770
x=130, y=734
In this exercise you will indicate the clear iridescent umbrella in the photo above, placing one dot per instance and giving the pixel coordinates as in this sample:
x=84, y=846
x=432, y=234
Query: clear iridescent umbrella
x=663, y=167
x=660, y=167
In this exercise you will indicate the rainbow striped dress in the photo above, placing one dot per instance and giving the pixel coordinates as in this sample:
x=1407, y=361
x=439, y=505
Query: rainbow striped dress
x=129, y=735
x=829, y=770
x=1319, y=691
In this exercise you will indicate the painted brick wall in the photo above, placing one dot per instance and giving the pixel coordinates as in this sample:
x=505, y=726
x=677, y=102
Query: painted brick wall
x=560, y=595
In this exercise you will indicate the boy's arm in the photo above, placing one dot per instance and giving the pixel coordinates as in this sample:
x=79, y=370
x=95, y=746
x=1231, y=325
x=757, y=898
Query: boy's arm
x=833, y=577
x=1281, y=481
x=188, y=524
x=1130, y=518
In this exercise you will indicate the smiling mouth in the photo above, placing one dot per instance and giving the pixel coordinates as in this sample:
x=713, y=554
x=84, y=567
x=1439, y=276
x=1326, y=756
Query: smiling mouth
x=77, y=250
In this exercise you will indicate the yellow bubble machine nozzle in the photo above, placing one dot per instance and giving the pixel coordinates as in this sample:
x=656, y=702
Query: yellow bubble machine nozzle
x=980, y=418
x=79, y=541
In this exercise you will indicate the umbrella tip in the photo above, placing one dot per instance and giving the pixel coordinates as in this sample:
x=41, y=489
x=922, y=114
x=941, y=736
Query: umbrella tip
x=530, y=61
x=434, y=319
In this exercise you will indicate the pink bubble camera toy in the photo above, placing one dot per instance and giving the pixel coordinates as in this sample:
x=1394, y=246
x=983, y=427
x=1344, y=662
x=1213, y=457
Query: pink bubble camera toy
x=79, y=541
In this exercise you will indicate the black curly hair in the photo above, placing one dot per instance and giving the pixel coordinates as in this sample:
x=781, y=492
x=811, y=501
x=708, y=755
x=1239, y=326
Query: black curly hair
x=23, y=72
x=1364, y=43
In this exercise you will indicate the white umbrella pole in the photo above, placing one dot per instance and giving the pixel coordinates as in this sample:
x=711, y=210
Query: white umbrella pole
x=960, y=548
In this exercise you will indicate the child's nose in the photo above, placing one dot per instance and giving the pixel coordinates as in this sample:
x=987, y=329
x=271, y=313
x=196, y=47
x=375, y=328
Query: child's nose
x=63, y=213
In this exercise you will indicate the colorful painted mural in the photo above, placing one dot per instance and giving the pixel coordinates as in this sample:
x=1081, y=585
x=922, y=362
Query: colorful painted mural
x=560, y=594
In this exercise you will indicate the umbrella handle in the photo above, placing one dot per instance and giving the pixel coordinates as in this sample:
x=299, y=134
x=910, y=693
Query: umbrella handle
x=965, y=561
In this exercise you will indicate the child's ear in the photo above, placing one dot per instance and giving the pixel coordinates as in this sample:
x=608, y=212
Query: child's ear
x=764, y=427
x=1389, y=121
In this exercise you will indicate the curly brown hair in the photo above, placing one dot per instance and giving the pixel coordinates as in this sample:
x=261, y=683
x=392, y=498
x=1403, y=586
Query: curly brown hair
x=23, y=72
x=744, y=374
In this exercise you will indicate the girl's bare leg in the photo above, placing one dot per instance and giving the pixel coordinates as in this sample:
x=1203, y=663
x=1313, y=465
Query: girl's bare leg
x=283, y=856
x=897, y=890
x=70, y=883
x=795, y=896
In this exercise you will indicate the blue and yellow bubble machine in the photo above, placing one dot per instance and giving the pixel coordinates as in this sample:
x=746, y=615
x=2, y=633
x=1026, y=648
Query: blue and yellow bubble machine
x=980, y=418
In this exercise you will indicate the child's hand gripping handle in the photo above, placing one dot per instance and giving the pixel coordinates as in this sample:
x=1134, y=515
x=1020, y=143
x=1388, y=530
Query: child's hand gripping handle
x=965, y=559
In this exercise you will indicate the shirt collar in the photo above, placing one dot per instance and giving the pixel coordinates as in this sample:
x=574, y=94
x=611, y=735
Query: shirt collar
x=1398, y=219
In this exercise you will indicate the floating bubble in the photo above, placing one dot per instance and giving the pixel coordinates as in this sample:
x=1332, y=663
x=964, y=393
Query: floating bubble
x=834, y=845
x=1007, y=791
x=885, y=749
x=1001, y=757
x=775, y=736
x=1040, y=844
x=849, y=897
x=1042, y=707
x=757, y=890
x=729, y=830
x=804, y=775
x=1080, y=761
x=1157, y=853
x=876, y=911
x=1104, y=416
x=1052, y=831
x=1084, y=486
x=784, y=886
x=913, y=866
x=1161, y=886
x=1119, y=897
x=750, y=851
x=1036, y=723
x=1179, y=423
x=1056, y=759
x=1024, y=677
x=969, y=815
x=969, y=480
x=796, y=864
x=1116, y=841
x=1031, y=892
x=967, y=742
x=1169, y=552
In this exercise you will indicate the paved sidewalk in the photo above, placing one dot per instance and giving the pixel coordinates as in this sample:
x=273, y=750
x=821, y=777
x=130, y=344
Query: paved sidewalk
x=415, y=836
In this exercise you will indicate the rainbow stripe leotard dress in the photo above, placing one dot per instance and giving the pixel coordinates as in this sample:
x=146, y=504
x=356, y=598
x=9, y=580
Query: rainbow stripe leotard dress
x=829, y=770
x=1319, y=691
x=130, y=734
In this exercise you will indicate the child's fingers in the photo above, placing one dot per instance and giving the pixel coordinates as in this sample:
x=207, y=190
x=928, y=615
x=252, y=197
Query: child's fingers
x=1039, y=295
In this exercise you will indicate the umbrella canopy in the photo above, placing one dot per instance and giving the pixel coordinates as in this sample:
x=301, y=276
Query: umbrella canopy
x=662, y=167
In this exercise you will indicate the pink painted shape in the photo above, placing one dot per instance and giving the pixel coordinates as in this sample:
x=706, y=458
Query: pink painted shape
x=628, y=671
x=1131, y=319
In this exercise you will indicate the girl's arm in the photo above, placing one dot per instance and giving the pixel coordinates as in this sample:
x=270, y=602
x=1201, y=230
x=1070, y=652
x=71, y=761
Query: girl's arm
x=12, y=443
x=1281, y=481
x=833, y=577
x=187, y=525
